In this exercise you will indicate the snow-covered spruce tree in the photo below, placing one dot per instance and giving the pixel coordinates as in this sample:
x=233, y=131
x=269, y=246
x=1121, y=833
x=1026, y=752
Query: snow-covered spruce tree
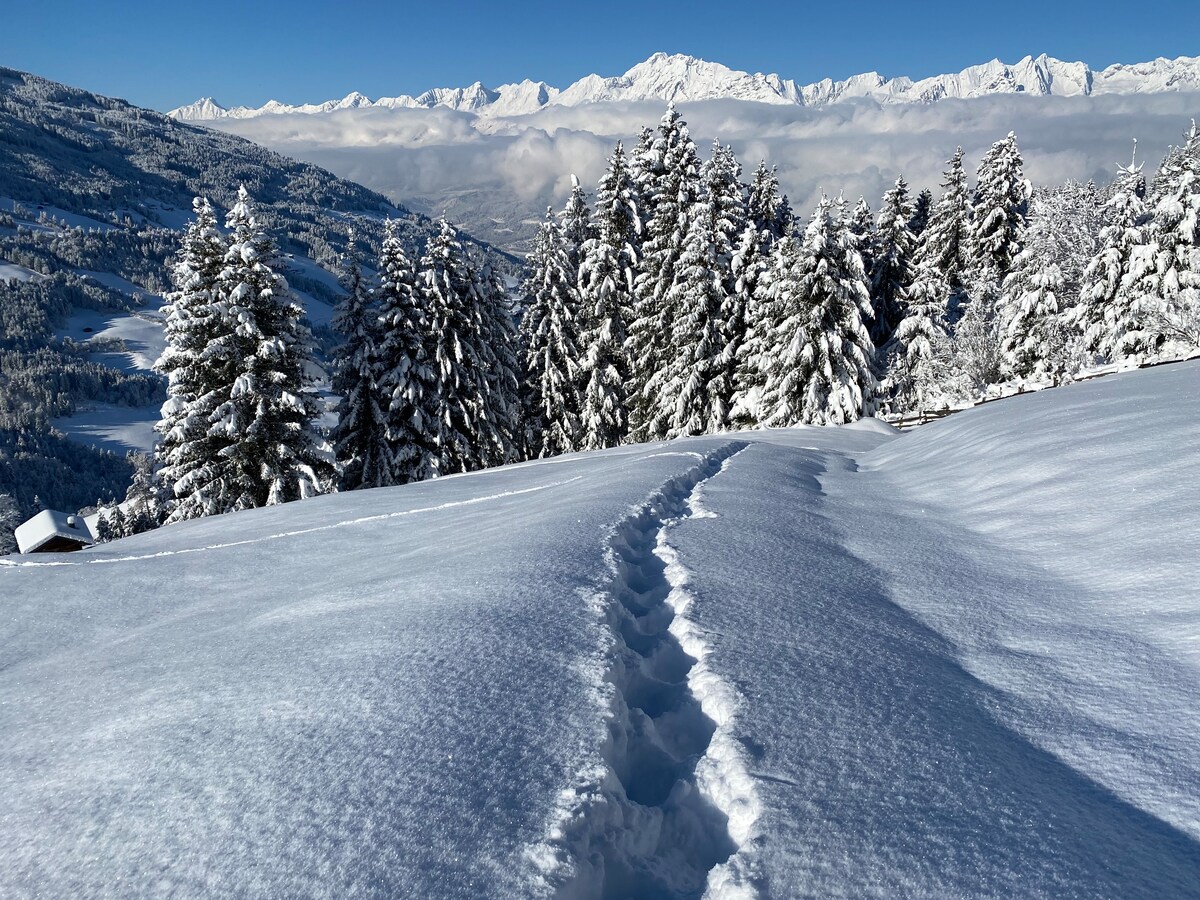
x=1000, y=210
x=145, y=499
x=750, y=267
x=1102, y=315
x=1032, y=342
x=734, y=230
x=890, y=272
x=473, y=358
x=769, y=219
x=360, y=437
x=862, y=229
x=773, y=291
x=1164, y=277
x=644, y=166
x=500, y=353
x=946, y=241
x=922, y=208
x=10, y=518
x=446, y=287
x=821, y=370
x=407, y=348
x=116, y=524
x=606, y=286
x=268, y=448
x=768, y=207
x=197, y=372
x=672, y=183
x=549, y=338
x=577, y=227
x=709, y=311
x=916, y=364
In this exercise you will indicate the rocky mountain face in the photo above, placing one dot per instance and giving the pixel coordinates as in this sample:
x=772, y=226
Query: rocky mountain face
x=681, y=78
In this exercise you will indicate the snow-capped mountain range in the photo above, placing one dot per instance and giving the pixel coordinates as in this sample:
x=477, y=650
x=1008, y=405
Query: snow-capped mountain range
x=684, y=78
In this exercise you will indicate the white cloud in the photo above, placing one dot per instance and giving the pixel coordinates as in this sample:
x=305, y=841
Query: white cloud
x=493, y=175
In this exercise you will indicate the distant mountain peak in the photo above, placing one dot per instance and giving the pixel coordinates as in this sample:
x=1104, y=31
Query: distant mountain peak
x=678, y=77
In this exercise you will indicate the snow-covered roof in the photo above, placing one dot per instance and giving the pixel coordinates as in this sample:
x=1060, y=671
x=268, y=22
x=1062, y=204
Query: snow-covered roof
x=47, y=526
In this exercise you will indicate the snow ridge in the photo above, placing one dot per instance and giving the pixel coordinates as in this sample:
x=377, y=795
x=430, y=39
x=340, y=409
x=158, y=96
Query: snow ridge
x=673, y=802
x=362, y=520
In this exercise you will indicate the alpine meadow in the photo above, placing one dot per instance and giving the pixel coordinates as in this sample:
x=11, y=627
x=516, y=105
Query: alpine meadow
x=689, y=483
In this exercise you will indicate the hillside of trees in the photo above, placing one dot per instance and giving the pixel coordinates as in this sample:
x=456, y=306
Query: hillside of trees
x=93, y=184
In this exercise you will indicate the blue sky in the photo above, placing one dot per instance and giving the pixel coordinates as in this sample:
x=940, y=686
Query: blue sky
x=162, y=54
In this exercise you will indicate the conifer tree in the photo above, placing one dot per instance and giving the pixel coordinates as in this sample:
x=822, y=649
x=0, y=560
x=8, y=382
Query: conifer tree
x=577, y=228
x=769, y=218
x=1031, y=341
x=549, y=338
x=750, y=267
x=1102, y=316
x=606, y=286
x=946, y=242
x=1164, y=280
x=768, y=207
x=103, y=532
x=268, y=449
x=195, y=372
x=922, y=208
x=473, y=358
x=445, y=285
x=862, y=229
x=920, y=339
x=360, y=437
x=116, y=524
x=890, y=274
x=734, y=229
x=644, y=167
x=672, y=173
x=499, y=351
x=821, y=372
x=709, y=312
x=10, y=518
x=407, y=381
x=145, y=498
x=1001, y=210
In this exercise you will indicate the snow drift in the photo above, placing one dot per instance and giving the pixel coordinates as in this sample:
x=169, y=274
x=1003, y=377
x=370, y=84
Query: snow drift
x=805, y=662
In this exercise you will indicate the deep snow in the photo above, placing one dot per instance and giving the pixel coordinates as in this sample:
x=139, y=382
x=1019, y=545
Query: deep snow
x=808, y=662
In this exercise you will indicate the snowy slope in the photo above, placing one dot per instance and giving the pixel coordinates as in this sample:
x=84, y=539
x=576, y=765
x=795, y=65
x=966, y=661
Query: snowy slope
x=680, y=78
x=809, y=662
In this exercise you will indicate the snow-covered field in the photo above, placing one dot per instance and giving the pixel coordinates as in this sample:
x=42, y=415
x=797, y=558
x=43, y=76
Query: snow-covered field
x=13, y=272
x=810, y=662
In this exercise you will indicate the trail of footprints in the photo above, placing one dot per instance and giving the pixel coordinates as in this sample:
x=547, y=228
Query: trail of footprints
x=678, y=835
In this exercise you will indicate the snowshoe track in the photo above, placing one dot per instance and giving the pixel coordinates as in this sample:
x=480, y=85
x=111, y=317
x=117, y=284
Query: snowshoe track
x=650, y=831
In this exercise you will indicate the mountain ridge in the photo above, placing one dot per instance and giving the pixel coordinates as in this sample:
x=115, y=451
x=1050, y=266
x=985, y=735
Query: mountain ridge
x=682, y=78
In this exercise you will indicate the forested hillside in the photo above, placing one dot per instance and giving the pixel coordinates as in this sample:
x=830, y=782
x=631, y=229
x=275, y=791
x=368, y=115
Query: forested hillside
x=93, y=192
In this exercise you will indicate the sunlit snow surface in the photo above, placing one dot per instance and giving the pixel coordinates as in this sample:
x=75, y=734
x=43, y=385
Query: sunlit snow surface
x=958, y=662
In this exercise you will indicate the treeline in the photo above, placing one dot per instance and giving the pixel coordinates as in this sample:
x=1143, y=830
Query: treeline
x=689, y=302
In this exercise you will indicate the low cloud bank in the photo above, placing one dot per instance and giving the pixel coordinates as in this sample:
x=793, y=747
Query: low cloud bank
x=496, y=176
